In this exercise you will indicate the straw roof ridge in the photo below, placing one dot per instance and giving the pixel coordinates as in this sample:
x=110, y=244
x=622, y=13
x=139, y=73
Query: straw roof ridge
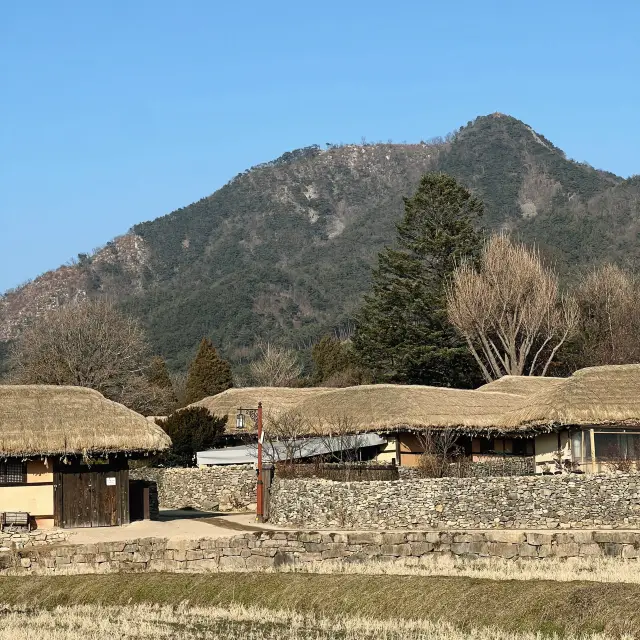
x=520, y=385
x=37, y=420
x=388, y=407
x=513, y=405
x=600, y=395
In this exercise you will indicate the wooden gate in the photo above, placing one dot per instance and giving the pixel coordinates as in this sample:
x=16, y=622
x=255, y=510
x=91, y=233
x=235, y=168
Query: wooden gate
x=91, y=496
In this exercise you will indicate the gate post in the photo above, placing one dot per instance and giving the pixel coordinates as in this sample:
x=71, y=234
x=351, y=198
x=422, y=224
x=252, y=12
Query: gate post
x=267, y=477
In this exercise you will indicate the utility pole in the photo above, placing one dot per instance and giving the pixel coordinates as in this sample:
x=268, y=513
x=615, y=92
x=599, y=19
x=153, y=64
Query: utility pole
x=260, y=483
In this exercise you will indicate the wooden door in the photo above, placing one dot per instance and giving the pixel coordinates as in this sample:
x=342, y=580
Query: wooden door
x=96, y=496
x=76, y=499
x=104, y=498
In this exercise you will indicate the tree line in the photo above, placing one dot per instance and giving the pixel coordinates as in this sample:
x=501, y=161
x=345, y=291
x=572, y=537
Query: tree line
x=448, y=306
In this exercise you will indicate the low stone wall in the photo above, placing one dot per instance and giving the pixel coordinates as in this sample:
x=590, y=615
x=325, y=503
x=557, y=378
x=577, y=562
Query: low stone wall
x=527, y=502
x=489, y=467
x=228, y=488
x=271, y=550
x=21, y=539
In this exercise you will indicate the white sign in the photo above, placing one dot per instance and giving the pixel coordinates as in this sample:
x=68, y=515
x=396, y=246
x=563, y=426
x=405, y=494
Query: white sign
x=111, y=482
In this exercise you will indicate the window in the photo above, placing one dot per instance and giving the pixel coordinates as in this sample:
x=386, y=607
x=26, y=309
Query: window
x=13, y=472
x=487, y=445
x=522, y=447
x=617, y=446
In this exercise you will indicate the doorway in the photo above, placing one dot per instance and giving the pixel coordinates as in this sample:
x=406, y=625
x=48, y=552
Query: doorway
x=91, y=495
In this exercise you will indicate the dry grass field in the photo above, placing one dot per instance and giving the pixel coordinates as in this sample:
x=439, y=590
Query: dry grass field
x=557, y=569
x=345, y=606
x=148, y=622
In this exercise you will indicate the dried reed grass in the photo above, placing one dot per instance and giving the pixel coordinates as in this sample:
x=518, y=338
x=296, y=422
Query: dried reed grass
x=592, y=569
x=148, y=622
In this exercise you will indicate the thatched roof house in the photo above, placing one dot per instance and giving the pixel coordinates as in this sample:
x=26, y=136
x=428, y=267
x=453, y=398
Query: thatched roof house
x=41, y=420
x=512, y=404
x=64, y=454
x=494, y=418
x=608, y=395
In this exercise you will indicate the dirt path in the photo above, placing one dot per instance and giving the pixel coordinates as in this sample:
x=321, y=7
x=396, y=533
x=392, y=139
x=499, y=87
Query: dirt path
x=181, y=524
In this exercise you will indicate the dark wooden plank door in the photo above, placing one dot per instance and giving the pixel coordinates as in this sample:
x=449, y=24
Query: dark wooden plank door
x=96, y=496
x=106, y=489
x=76, y=499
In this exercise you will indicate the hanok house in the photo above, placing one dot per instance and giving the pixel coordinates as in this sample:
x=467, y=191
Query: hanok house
x=64, y=455
x=587, y=422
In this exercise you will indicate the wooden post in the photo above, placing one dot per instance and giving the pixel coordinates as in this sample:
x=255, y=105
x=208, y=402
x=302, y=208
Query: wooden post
x=267, y=477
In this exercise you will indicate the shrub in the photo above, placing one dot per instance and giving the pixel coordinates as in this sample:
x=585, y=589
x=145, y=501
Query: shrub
x=191, y=430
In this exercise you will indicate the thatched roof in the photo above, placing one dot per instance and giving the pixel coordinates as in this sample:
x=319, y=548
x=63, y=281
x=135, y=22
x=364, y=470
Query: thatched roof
x=516, y=405
x=520, y=385
x=275, y=400
x=592, y=396
x=382, y=407
x=388, y=407
x=54, y=420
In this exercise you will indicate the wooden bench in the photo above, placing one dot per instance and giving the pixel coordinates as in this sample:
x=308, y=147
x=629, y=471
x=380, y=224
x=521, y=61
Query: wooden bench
x=15, y=520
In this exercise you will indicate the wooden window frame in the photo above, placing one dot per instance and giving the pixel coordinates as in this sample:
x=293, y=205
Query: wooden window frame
x=4, y=474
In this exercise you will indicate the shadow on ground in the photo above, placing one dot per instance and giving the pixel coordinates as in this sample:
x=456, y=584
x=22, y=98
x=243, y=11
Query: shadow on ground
x=215, y=518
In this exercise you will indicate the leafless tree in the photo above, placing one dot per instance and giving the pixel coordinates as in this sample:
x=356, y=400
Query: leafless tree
x=440, y=450
x=341, y=436
x=87, y=344
x=609, y=331
x=276, y=366
x=510, y=310
x=286, y=437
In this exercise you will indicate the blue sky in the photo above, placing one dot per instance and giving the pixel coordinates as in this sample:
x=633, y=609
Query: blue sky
x=117, y=112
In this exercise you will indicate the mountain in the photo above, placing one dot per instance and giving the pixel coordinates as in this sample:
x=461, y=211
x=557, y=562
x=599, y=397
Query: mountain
x=284, y=250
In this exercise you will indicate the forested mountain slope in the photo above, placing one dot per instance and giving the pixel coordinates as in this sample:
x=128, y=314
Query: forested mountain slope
x=284, y=251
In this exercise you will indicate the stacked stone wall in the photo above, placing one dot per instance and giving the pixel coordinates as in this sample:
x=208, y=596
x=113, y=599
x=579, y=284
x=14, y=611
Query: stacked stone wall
x=224, y=488
x=526, y=502
x=271, y=550
x=19, y=539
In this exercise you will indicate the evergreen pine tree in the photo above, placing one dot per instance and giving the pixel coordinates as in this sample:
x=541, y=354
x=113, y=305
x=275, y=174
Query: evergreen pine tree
x=330, y=356
x=403, y=334
x=158, y=376
x=208, y=374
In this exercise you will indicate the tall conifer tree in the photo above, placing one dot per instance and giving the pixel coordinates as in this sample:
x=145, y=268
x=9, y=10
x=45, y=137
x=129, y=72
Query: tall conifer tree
x=208, y=373
x=403, y=334
x=158, y=376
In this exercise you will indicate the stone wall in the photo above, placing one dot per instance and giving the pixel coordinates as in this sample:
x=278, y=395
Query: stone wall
x=528, y=502
x=228, y=488
x=20, y=539
x=272, y=550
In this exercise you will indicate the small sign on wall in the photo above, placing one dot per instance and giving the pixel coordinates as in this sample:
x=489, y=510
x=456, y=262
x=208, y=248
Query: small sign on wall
x=111, y=482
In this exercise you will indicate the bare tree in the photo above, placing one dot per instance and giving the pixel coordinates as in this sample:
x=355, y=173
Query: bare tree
x=341, y=436
x=286, y=437
x=510, y=310
x=609, y=331
x=88, y=344
x=276, y=366
x=440, y=451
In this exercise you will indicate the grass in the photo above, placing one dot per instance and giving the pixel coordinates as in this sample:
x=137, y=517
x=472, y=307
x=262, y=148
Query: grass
x=557, y=569
x=147, y=622
x=469, y=604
